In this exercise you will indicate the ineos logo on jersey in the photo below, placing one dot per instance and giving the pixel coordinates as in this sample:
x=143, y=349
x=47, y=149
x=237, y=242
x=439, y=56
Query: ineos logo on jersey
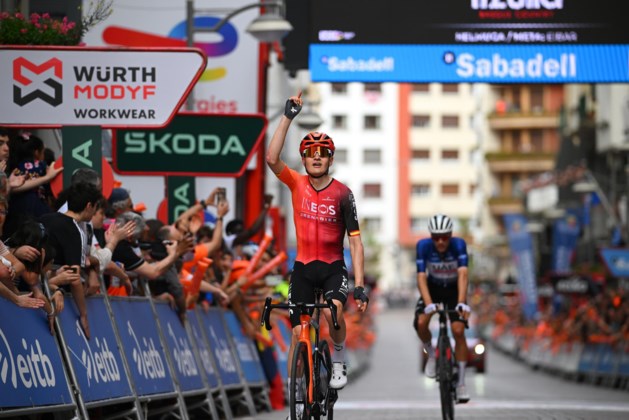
x=313, y=207
x=20, y=98
x=27, y=367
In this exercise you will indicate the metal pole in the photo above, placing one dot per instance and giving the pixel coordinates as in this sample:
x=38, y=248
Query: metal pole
x=190, y=43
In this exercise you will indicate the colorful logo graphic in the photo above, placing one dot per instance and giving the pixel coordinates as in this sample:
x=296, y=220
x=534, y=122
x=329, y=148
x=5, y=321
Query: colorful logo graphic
x=19, y=64
x=116, y=35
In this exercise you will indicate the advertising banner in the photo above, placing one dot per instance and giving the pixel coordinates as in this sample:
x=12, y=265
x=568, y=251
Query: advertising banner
x=192, y=144
x=521, y=247
x=180, y=348
x=482, y=41
x=245, y=349
x=219, y=343
x=55, y=86
x=97, y=362
x=617, y=261
x=565, y=234
x=205, y=352
x=282, y=353
x=229, y=83
x=31, y=368
x=142, y=346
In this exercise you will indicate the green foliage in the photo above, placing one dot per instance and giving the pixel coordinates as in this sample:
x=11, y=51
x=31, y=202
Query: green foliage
x=17, y=29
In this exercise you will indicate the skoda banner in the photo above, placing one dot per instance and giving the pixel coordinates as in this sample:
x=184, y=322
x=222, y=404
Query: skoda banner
x=180, y=348
x=97, y=361
x=142, y=346
x=31, y=368
x=55, y=86
x=219, y=343
x=522, y=254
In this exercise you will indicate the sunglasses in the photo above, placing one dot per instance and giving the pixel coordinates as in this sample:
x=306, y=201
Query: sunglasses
x=322, y=151
x=438, y=238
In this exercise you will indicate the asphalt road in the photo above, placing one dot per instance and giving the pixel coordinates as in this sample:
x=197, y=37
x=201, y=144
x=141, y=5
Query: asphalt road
x=393, y=389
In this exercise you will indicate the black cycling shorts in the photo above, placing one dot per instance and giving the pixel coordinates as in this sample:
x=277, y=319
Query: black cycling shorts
x=449, y=296
x=331, y=279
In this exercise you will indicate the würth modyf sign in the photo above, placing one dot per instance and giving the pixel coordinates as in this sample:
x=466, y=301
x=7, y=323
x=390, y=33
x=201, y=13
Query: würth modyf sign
x=137, y=87
x=193, y=144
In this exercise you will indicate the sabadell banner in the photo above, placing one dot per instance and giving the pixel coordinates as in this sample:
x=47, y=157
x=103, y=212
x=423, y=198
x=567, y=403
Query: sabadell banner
x=139, y=87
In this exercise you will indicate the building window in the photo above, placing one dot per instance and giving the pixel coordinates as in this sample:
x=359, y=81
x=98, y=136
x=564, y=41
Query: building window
x=372, y=224
x=339, y=88
x=421, y=87
x=371, y=190
x=537, y=99
x=372, y=122
x=373, y=87
x=450, y=121
x=420, y=190
x=340, y=156
x=419, y=224
x=450, y=88
x=537, y=141
x=422, y=155
x=372, y=156
x=339, y=121
x=420, y=121
x=449, y=189
x=450, y=156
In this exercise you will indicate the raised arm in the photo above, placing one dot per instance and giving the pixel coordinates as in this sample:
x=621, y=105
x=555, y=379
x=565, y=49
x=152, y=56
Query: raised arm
x=273, y=159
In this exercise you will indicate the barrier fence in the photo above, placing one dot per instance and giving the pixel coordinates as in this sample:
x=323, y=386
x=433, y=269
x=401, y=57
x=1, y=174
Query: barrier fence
x=140, y=361
x=600, y=363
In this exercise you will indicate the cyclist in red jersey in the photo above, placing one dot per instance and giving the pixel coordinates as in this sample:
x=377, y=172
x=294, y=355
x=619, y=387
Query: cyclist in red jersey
x=324, y=209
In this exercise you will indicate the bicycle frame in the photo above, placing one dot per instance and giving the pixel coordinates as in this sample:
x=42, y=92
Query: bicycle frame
x=308, y=323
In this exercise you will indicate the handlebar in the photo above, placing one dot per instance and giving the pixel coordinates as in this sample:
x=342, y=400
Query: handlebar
x=442, y=311
x=302, y=307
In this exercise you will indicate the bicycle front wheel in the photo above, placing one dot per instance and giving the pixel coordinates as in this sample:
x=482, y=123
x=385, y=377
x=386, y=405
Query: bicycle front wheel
x=325, y=374
x=444, y=367
x=299, y=381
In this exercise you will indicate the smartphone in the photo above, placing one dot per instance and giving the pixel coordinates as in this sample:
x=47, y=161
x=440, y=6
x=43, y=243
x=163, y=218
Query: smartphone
x=220, y=195
x=74, y=269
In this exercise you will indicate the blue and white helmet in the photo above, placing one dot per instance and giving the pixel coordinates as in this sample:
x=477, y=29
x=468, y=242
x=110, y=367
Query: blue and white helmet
x=440, y=224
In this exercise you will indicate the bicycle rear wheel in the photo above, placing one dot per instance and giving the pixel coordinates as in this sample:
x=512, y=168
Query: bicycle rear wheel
x=325, y=374
x=299, y=381
x=444, y=367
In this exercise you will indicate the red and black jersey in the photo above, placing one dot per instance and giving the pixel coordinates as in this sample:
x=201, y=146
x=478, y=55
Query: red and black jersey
x=321, y=217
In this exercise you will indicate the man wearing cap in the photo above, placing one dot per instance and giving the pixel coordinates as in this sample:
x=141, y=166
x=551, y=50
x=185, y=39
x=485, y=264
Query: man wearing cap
x=119, y=202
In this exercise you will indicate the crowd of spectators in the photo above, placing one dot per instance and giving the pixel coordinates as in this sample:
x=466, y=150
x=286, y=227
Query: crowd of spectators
x=81, y=243
x=601, y=316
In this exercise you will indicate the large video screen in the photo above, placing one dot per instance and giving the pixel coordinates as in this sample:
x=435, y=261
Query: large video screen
x=453, y=41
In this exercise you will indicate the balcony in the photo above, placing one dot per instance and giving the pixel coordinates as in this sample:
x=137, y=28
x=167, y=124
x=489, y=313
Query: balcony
x=523, y=120
x=505, y=205
x=520, y=162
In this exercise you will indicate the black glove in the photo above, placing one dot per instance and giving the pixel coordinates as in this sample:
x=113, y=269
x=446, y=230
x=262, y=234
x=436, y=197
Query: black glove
x=359, y=294
x=291, y=109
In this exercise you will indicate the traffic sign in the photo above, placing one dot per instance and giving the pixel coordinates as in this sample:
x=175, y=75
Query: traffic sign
x=193, y=144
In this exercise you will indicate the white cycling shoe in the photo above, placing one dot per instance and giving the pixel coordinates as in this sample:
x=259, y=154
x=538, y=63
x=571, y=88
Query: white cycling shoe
x=431, y=368
x=339, y=375
x=461, y=394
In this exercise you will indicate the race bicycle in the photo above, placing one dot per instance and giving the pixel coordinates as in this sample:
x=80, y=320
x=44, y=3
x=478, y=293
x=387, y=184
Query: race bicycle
x=311, y=368
x=447, y=369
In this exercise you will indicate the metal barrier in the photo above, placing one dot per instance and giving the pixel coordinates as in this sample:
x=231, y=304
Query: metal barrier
x=140, y=361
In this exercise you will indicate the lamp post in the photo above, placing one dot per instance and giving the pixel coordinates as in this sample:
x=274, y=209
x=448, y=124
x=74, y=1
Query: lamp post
x=268, y=27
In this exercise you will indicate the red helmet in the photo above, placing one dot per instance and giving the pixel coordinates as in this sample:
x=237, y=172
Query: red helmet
x=318, y=139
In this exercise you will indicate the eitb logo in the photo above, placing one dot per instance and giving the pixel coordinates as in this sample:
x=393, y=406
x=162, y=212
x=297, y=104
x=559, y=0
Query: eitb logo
x=53, y=95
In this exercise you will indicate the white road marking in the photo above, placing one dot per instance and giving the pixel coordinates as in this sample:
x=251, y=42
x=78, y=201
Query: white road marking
x=485, y=405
